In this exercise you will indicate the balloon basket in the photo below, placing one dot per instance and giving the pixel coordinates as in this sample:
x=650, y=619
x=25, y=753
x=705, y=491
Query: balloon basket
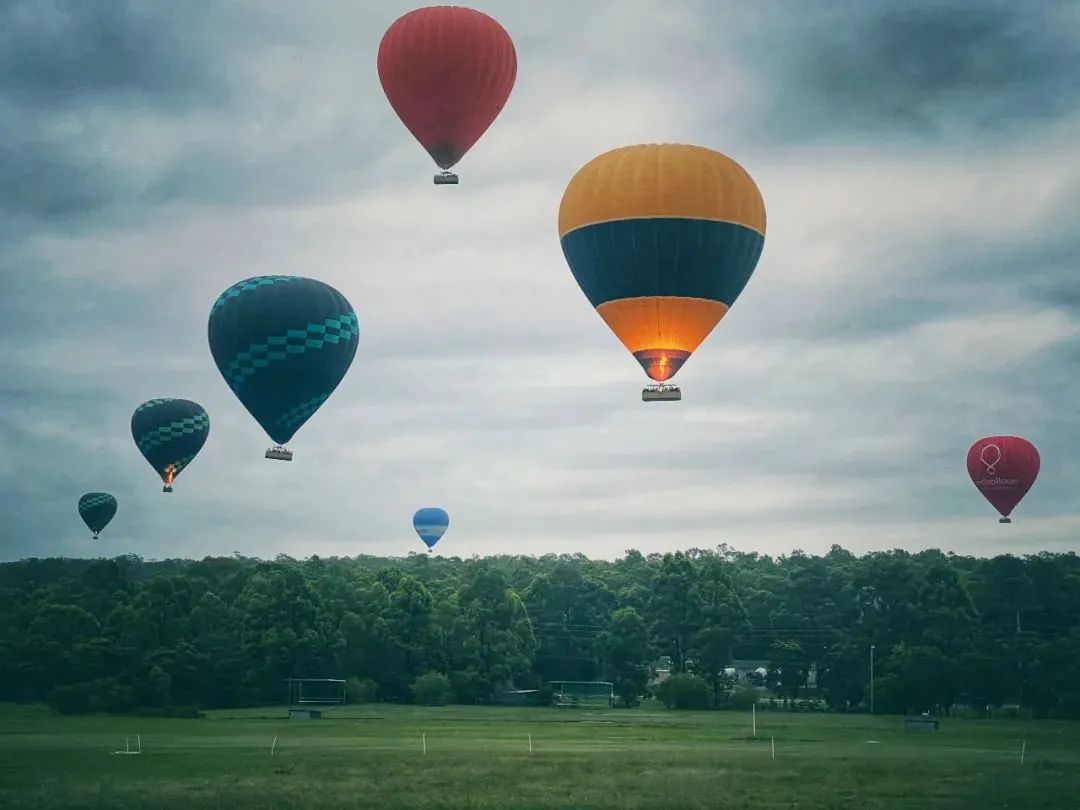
x=1005, y=520
x=279, y=453
x=166, y=488
x=661, y=393
x=446, y=179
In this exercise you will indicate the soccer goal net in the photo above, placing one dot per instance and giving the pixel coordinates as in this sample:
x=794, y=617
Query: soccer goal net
x=315, y=690
x=583, y=693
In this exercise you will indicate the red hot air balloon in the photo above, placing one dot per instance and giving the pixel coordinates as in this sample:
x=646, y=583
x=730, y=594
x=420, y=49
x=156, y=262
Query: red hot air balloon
x=447, y=72
x=1003, y=468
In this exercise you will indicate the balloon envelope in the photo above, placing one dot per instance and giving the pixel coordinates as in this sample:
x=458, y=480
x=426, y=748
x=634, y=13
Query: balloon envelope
x=431, y=523
x=1003, y=469
x=662, y=239
x=97, y=509
x=447, y=71
x=283, y=344
x=170, y=433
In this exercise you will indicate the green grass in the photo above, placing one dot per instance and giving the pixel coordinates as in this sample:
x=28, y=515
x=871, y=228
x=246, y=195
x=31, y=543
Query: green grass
x=370, y=756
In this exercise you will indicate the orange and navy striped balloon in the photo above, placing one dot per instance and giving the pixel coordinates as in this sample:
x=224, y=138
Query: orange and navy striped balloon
x=662, y=238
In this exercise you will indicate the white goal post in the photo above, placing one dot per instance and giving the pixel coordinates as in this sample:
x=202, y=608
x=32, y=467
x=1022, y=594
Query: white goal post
x=318, y=691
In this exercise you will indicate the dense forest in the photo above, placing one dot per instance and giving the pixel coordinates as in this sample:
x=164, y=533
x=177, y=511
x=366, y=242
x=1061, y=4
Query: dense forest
x=126, y=634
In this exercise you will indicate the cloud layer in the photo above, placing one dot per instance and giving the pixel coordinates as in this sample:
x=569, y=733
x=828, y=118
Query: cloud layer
x=917, y=289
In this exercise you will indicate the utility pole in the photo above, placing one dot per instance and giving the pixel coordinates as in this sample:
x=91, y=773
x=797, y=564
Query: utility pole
x=871, y=679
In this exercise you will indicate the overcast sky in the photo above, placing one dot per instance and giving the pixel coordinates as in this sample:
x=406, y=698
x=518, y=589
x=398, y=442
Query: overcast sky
x=919, y=286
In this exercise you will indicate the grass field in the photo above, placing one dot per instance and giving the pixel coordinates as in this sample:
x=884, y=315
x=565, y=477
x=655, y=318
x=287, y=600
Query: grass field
x=371, y=756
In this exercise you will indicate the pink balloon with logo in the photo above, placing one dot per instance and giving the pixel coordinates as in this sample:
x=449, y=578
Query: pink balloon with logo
x=1003, y=468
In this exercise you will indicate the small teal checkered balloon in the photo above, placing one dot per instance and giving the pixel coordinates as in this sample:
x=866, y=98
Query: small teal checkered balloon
x=170, y=433
x=97, y=509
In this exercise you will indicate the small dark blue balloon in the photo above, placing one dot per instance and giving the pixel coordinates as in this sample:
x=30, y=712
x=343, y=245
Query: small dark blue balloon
x=283, y=344
x=431, y=523
x=97, y=509
x=170, y=433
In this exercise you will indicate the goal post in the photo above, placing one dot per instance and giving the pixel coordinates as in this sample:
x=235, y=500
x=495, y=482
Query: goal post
x=583, y=693
x=318, y=691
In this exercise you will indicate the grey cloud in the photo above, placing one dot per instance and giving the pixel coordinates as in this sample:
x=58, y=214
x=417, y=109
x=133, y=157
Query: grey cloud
x=76, y=70
x=896, y=276
x=38, y=181
x=58, y=53
x=254, y=103
x=928, y=70
x=244, y=103
x=953, y=280
x=1042, y=273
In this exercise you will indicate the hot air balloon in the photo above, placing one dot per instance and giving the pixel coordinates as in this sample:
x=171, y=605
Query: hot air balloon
x=662, y=239
x=430, y=523
x=282, y=343
x=97, y=509
x=1003, y=468
x=169, y=433
x=447, y=71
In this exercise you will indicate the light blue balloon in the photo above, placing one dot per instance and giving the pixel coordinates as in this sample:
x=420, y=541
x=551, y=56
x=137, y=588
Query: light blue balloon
x=430, y=523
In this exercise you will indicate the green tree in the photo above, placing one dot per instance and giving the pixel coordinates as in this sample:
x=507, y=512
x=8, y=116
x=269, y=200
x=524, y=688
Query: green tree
x=625, y=653
x=431, y=689
x=361, y=690
x=788, y=668
x=675, y=607
x=408, y=626
x=494, y=638
x=722, y=616
x=684, y=691
x=114, y=635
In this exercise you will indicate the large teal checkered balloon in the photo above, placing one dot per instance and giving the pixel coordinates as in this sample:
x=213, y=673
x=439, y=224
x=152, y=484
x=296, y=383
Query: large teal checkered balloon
x=169, y=433
x=283, y=344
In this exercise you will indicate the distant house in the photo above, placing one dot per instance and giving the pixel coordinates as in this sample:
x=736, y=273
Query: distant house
x=660, y=671
x=747, y=669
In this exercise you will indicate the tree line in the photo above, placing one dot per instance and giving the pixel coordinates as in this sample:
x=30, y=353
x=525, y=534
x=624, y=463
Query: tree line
x=125, y=634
